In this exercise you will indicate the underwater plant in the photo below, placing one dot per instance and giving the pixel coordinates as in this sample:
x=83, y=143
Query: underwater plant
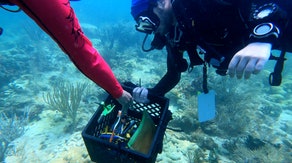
x=10, y=129
x=266, y=153
x=195, y=156
x=66, y=98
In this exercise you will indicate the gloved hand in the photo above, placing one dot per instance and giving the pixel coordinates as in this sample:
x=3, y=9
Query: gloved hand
x=140, y=94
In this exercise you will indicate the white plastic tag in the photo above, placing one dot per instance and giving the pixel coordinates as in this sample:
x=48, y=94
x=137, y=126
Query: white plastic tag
x=206, y=106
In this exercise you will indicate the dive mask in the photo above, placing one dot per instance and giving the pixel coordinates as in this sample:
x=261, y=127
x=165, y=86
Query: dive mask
x=147, y=23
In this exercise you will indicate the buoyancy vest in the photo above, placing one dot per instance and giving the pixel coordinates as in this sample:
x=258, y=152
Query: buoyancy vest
x=214, y=25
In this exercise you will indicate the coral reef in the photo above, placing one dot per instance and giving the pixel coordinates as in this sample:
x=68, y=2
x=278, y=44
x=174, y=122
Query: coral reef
x=249, y=112
x=10, y=128
x=66, y=99
x=195, y=156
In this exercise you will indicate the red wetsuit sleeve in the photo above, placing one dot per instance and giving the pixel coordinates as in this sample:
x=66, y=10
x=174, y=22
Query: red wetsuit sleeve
x=57, y=18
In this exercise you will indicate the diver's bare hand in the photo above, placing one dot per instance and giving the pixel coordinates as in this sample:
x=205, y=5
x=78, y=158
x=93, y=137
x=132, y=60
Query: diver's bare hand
x=250, y=59
x=126, y=100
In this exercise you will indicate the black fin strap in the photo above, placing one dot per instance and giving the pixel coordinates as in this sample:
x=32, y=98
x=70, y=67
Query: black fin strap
x=275, y=77
x=205, y=82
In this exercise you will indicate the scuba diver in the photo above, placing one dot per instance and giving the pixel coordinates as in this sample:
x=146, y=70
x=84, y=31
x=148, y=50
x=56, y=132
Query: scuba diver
x=234, y=36
x=57, y=19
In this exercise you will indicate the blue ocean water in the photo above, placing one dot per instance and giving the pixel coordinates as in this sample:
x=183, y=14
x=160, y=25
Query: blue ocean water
x=250, y=112
x=91, y=11
x=87, y=11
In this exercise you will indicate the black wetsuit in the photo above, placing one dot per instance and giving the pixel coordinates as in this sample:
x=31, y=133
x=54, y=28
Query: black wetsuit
x=220, y=27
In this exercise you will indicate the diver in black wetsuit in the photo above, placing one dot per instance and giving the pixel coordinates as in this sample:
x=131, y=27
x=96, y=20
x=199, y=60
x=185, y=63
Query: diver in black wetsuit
x=236, y=36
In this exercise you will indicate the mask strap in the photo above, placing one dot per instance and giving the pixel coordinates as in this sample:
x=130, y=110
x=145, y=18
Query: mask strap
x=143, y=45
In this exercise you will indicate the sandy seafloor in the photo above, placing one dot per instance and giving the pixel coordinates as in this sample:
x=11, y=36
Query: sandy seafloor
x=253, y=122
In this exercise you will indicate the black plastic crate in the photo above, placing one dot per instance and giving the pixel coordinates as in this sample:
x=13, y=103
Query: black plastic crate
x=101, y=150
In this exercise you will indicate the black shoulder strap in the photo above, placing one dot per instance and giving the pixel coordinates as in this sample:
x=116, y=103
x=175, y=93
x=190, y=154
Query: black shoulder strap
x=275, y=77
